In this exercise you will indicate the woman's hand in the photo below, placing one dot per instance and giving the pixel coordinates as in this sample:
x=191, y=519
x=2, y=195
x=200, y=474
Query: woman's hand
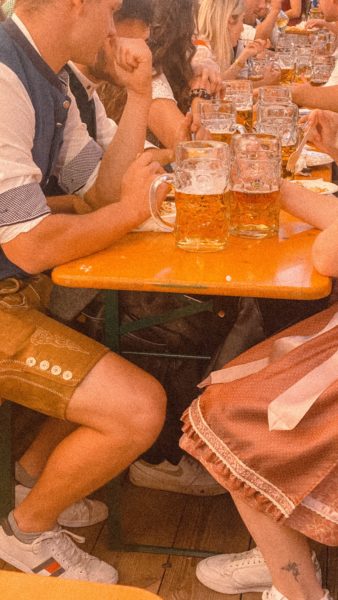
x=253, y=49
x=207, y=75
x=324, y=133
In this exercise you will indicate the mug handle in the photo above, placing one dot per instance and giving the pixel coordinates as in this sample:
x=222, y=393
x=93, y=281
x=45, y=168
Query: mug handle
x=165, y=178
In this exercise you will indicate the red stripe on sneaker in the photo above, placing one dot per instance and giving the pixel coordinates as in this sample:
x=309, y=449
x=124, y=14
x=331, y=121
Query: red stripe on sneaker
x=52, y=567
x=49, y=567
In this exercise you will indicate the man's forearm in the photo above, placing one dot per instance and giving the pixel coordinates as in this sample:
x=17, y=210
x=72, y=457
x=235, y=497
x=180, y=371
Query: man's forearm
x=325, y=98
x=265, y=28
x=128, y=142
x=61, y=238
x=61, y=204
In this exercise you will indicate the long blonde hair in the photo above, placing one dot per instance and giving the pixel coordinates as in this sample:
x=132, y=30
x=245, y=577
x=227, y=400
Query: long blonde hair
x=213, y=26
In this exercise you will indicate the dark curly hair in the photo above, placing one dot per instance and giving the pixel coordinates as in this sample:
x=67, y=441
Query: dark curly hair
x=171, y=44
x=172, y=48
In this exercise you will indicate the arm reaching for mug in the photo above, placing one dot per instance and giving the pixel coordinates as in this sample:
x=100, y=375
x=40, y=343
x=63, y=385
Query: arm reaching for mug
x=324, y=132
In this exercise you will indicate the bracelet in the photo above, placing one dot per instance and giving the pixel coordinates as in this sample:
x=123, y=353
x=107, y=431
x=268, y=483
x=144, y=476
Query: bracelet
x=200, y=93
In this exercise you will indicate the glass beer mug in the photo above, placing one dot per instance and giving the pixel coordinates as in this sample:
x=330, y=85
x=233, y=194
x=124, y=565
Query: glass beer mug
x=219, y=118
x=282, y=121
x=200, y=180
x=255, y=185
x=240, y=92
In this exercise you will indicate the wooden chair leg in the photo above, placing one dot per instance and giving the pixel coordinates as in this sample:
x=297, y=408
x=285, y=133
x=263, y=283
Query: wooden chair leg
x=6, y=479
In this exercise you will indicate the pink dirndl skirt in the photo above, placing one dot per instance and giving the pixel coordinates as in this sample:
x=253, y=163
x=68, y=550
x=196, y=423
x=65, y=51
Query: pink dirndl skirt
x=270, y=431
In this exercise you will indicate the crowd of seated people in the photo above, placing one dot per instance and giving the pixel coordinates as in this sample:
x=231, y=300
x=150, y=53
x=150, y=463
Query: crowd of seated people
x=90, y=113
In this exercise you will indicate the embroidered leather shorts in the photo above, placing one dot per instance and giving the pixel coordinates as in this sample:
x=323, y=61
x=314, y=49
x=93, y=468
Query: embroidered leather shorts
x=41, y=360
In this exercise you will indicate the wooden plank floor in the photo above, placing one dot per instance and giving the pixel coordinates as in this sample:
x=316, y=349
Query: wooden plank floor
x=174, y=520
x=160, y=518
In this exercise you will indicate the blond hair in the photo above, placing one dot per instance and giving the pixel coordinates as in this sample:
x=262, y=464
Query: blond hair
x=213, y=26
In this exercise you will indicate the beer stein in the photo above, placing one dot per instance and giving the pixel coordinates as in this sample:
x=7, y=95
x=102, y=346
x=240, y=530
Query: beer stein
x=286, y=61
x=282, y=121
x=322, y=67
x=274, y=94
x=256, y=68
x=219, y=118
x=303, y=64
x=255, y=185
x=200, y=180
x=240, y=92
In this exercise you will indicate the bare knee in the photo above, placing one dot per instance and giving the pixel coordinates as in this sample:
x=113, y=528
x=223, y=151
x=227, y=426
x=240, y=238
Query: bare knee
x=120, y=400
x=148, y=420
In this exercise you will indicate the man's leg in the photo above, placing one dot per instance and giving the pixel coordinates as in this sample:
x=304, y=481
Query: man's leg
x=51, y=433
x=120, y=411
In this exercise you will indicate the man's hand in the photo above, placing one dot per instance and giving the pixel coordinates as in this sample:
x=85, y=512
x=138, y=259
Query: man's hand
x=136, y=183
x=191, y=126
x=322, y=24
x=275, y=6
x=324, y=133
x=272, y=75
x=129, y=63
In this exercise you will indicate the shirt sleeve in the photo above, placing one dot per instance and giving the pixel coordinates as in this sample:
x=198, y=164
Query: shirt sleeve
x=21, y=198
x=161, y=88
x=79, y=157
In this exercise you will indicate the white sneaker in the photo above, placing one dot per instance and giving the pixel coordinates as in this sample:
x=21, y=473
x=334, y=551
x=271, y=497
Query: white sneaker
x=80, y=514
x=274, y=594
x=54, y=554
x=238, y=573
x=188, y=477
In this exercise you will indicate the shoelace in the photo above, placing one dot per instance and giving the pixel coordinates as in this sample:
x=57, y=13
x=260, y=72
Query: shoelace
x=61, y=541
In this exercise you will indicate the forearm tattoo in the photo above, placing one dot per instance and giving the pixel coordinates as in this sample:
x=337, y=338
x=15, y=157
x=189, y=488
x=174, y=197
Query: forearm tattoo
x=292, y=568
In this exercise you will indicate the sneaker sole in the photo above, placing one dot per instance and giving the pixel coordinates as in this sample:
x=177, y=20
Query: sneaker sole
x=210, y=583
x=188, y=490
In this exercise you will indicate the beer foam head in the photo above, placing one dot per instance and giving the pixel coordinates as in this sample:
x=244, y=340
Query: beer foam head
x=201, y=181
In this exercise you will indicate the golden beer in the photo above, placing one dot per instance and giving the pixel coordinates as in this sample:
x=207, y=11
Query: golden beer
x=282, y=21
x=244, y=117
x=254, y=214
x=286, y=153
x=303, y=73
x=287, y=75
x=222, y=136
x=202, y=221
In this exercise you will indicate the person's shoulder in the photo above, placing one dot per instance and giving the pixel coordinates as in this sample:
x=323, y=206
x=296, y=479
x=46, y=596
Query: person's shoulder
x=161, y=88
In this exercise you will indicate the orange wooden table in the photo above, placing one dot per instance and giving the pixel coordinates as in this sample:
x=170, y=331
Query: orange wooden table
x=278, y=267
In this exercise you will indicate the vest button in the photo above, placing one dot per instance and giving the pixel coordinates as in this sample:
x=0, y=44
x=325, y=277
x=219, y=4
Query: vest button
x=66, y=104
